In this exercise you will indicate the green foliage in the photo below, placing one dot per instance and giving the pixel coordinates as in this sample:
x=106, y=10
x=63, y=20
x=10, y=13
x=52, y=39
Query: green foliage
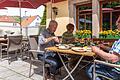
x=43, y=22
x=111, y=4
x=85, y=7
x=110, y=34
x=17, y=18
x=83, y=34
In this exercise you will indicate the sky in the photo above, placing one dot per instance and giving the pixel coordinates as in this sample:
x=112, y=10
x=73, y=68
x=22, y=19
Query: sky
x=24, y=11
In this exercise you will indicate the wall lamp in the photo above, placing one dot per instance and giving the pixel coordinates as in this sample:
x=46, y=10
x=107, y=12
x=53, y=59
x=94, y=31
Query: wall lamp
x=55, y=10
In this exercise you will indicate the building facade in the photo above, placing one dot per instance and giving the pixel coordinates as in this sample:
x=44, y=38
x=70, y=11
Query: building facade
x=68, y=12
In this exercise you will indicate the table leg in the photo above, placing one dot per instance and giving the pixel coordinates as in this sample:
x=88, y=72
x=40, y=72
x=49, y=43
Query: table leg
x=0, y=52
x=74, y=67
x=66, y=67
x=94, y=74
x=44, y=66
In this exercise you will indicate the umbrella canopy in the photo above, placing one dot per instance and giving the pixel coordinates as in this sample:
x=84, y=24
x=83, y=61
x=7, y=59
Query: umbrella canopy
x=3, y=8
x=25, y=3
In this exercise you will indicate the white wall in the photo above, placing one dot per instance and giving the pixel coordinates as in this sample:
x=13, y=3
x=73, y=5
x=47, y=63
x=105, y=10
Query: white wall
x=8, y=24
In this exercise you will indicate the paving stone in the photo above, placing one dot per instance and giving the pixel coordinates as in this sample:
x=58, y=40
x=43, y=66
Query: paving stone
x=7, y=73
x=3, y=69
x=28, y=79
x=2, y=79
x=19, y=70
x=15, y=77
x=26, y=73
x=37, y=77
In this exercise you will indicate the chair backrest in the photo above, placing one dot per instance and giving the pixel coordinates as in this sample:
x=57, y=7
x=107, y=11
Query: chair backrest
x=33, y=46
x=33, y=43
x=14, y=42
x=117, y=66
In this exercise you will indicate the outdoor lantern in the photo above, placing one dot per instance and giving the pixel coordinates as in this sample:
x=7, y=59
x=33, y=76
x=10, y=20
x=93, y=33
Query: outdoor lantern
x=55, y=10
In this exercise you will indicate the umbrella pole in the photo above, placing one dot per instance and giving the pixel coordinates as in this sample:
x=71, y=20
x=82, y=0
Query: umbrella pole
x=51, y=9
x=20, y=17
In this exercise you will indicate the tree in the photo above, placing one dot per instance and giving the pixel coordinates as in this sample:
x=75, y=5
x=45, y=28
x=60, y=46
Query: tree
x=43, y=21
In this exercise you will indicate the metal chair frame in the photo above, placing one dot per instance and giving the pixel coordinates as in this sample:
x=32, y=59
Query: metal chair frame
x=105, y=63
x=14, y=44
x=33, y=52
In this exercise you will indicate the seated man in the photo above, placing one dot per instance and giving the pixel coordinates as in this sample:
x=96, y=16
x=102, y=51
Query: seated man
x=113, y=56
x=47, y=39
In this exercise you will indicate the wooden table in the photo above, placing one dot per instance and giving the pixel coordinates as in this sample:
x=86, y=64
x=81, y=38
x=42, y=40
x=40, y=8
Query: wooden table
x=69, y=51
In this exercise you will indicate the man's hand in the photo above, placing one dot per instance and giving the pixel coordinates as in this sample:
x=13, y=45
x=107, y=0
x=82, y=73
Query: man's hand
x=105, y=48
x=101, y=45
x=56, y=39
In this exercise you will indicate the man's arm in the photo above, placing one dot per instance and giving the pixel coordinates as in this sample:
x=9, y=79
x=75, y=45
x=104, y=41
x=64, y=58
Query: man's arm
x=43, y=40
x=114, y=57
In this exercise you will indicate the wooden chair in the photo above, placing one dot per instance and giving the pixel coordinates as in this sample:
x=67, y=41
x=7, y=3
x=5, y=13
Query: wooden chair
x=104, y=63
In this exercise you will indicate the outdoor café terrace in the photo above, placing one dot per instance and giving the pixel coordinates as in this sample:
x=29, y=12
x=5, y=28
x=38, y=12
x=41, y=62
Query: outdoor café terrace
x=17, y=66
x=18, y=53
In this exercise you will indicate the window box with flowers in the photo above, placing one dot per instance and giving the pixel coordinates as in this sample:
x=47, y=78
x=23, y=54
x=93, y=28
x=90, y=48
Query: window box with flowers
x=110, y=34
x=83, y=34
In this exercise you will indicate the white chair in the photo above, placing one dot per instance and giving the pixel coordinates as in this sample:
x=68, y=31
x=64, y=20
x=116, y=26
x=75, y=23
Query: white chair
x=34, y=50
x=104, y=63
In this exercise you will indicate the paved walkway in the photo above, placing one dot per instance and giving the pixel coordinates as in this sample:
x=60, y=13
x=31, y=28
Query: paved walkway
x=19, y=70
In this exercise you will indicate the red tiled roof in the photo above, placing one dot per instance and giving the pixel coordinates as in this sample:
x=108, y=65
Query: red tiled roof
x=28, y=21
x=7, y=19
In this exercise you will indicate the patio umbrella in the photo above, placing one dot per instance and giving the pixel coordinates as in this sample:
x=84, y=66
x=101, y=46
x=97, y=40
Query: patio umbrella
x=3, y=8
x=25, y=4
x=33, y=4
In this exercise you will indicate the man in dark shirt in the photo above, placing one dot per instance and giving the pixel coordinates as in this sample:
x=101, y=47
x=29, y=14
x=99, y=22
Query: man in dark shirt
x=47, y=39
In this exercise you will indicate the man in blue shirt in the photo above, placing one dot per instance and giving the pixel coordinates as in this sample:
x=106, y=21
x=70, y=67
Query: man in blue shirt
x=113, y=56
